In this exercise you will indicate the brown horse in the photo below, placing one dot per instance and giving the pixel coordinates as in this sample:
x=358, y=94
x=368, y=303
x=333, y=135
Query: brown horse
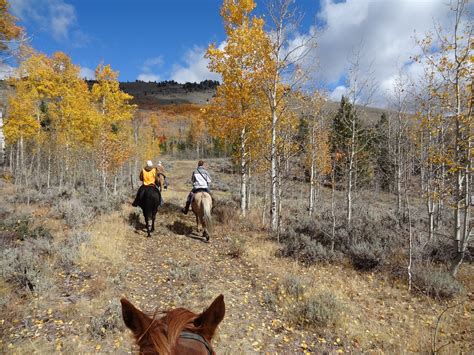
x=178, y=331
x=160, y=181
x=202, y=206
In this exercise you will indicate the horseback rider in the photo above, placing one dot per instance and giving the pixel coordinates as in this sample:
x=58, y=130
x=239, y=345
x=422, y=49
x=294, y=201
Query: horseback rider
x=200, y=180
x=148, y=175
x=160, y=170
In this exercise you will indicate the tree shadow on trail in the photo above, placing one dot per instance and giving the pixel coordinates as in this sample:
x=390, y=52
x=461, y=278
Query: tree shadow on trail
x=181, y=228
x=169, y=207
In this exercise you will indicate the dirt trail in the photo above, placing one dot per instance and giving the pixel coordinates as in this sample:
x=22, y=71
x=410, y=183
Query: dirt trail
x=176, y=268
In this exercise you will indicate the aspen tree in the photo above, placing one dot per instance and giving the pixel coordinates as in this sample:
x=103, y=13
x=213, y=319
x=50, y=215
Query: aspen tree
x=235, y=113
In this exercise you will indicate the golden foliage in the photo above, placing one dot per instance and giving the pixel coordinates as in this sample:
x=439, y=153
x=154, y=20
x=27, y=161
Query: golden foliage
x=8, y=29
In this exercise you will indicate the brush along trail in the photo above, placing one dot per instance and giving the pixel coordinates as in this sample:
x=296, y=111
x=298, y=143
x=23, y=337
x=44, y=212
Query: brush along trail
x=176, y=268
x=75, y=308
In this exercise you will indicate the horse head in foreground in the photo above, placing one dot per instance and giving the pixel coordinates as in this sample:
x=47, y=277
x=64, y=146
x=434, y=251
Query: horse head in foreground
x=178, y=331
x=202, y=206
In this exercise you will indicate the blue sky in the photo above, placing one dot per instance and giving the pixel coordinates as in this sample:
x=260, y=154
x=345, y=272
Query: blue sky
x=150, y=39
x=166, y=39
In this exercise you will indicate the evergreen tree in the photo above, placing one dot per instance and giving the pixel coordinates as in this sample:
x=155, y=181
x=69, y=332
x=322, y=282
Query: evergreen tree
x=352, y=150
x=384, y=163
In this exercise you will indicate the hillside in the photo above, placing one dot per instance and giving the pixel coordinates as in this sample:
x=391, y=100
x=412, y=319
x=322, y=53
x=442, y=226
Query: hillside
x=151, y=96
x=78, y=264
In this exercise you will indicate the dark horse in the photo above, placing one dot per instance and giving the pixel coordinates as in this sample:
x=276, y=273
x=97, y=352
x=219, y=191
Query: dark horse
x=150, y=201
x=178, y=331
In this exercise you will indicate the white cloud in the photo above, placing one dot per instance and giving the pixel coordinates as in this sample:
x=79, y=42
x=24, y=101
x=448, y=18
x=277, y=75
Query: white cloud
x=337, y=93
x=6, y=71
x=383, y=29
x=55, y=16
x=87, y=73
x=148, y=77
x=153, y=62
x=150, y=65
x=195, y=68
x=63, y=17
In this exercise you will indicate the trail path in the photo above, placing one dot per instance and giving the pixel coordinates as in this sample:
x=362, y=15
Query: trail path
x=176, y=268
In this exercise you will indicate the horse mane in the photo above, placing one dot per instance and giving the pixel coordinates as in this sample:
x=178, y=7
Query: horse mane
x=164, y=333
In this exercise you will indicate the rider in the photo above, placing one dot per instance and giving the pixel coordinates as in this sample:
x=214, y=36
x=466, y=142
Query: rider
x=200, y=180
x=160, y=169
x=148, y=176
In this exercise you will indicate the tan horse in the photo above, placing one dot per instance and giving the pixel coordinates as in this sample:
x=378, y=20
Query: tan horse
x=160, y=181
x=202, y=206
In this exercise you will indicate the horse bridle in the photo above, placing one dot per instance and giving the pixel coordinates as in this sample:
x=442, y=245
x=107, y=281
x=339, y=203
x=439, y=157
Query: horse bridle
x=193, y=336
x=183, y=335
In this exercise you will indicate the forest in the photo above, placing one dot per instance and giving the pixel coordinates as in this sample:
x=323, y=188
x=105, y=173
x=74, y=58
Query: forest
x=333, y=220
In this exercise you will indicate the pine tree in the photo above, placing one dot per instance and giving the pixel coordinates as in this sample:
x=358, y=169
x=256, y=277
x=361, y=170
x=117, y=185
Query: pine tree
x=351, y=148
x=384, y=163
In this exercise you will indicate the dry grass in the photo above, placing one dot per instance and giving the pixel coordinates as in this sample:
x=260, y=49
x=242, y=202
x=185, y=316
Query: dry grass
x=378, y=315
x=372, y=313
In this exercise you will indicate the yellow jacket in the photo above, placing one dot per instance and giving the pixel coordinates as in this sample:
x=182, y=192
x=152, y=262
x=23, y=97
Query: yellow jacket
x=148, y=176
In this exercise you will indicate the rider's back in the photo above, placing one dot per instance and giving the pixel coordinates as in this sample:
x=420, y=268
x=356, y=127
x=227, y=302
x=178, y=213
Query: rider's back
x=148, y=176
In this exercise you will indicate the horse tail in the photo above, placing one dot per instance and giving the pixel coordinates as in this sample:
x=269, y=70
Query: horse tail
x=207, y=205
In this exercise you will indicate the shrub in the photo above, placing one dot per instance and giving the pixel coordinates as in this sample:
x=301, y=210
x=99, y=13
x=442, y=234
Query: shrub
x=367, y=243
x=224, y=211
x=109, y=321
x=236, y=248
x=305, y=249
x=321, y=310
x=101, y=205
x=270, y=299
x=293, y=286
x=184, y=271
x=74, y=212
x=220, y=186
x=366, y=256
x=439, y=252
x=436, y=283
x=68, y=251
x=26, y=266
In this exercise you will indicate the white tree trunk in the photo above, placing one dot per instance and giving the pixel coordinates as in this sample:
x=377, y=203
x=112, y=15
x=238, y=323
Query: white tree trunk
x=265, y=199
x=312, y=173
x=350, y=178
x=22, y=160
x=333, y=205
x=48, y=179
x=249, y=189
x=273, y=173
x=243, y=174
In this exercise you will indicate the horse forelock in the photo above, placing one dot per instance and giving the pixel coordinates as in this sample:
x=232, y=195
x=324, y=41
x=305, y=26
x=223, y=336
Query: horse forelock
x=165, y=332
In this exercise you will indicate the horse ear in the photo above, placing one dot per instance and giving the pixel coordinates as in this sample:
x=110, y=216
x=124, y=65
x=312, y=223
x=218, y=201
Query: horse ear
x=133, y=318
x=211, y=317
